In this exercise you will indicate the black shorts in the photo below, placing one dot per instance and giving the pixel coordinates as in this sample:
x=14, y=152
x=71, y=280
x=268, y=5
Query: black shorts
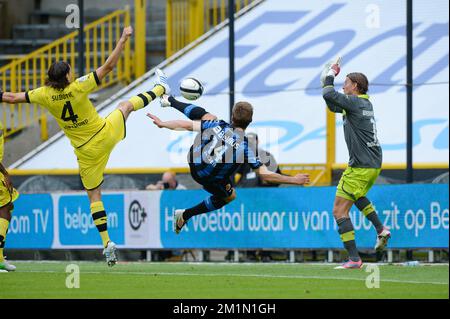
x=221, y=188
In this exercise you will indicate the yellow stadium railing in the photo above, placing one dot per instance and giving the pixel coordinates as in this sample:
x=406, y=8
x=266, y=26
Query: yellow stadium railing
x=30, y=71
x=317, y=171
x=189, y=19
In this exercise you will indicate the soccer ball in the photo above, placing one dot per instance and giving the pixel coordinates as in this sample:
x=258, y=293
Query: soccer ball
x=191, y=88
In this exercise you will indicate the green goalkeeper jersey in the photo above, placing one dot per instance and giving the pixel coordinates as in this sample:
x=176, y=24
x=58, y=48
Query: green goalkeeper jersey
x=359, y=126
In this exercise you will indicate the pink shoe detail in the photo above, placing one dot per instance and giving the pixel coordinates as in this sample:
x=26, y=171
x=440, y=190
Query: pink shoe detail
x=350, y=264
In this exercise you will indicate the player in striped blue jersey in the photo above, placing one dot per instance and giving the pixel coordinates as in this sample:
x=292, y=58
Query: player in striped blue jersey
x=218, y=151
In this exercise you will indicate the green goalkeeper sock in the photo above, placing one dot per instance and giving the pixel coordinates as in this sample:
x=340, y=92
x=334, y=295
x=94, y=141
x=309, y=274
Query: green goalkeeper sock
x=366, y=207
x=348, y=237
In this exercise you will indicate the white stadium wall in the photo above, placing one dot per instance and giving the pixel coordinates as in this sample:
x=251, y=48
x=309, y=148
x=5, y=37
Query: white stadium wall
x=281, y=47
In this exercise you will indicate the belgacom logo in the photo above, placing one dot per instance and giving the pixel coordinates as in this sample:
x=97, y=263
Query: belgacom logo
x=136, y=215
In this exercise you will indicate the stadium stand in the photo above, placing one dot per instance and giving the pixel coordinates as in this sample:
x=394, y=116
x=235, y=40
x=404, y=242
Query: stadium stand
x=42, y=183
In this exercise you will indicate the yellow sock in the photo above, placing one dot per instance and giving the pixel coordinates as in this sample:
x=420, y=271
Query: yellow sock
x=158, y=90
x=3, y=229
x=368, y=209
x=141, y=100
x=100, y=220
x=348, y=236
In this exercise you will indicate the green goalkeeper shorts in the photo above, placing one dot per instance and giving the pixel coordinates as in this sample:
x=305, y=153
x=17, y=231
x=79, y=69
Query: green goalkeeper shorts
x=356, y=182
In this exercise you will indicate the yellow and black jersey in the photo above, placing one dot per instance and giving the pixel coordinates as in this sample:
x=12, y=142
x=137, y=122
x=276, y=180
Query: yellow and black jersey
x=6, y=195
x=1, y=142
x=71, y=107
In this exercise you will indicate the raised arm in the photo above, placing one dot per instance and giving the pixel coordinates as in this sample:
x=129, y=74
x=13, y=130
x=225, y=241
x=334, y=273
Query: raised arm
x=275, y=178
x=13, y=98
x=336, y=102
x=113, y=58
x=176, y=125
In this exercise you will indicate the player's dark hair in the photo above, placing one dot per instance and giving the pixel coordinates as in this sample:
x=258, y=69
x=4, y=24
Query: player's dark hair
x=361, y=81
x=57, y=75
x=242, y=115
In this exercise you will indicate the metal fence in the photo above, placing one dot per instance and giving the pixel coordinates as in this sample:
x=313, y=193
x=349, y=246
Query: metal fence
x=30, y=71
x=188, y=20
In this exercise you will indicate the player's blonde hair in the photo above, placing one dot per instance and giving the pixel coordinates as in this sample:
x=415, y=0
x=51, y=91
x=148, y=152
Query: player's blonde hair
x=242, y=114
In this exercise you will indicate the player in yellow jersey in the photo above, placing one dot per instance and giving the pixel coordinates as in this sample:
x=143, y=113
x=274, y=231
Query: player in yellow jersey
x=8, y=195
x=92, y=137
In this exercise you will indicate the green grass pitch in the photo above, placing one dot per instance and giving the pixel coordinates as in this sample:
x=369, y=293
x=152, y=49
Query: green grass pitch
x=221, y=280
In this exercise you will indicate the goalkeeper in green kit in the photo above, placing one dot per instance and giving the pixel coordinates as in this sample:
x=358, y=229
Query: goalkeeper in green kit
x=365, y=157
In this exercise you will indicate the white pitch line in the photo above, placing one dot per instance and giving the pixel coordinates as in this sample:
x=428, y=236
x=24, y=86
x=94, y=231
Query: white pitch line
x=242, y=275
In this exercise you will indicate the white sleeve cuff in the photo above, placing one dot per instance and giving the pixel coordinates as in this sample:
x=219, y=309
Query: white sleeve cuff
x=331, y=73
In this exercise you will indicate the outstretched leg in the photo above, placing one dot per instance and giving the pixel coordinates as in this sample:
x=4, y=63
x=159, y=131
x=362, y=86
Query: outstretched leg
x=211, y=203
x=208, y=205
x=192, y=111
x=143, y=99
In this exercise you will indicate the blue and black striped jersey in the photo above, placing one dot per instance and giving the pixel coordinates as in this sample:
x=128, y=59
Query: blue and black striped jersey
x=219, y=150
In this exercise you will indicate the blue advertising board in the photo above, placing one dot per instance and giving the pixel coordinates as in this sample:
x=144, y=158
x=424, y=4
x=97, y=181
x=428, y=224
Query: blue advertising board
x=76, y=226
x=293, y=217
x=32, y=225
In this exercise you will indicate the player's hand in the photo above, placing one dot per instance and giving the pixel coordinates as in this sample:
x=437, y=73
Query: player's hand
x=127, y=32
x=302, y=179
x=330, y=69
x=156, y=120
x=335, y=67
x=154, y=187
x=324, y=73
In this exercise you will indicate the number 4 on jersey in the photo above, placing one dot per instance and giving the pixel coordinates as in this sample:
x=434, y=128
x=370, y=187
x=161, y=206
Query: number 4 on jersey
x=68, y=109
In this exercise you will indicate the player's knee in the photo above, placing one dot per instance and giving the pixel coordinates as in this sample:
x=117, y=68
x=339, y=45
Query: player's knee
x=231, y=198
x=339, y=212
x=6, y=211
x=336, y=213
x=362, y=203
x=94, y=194
x=125, y=106
x=196, y=113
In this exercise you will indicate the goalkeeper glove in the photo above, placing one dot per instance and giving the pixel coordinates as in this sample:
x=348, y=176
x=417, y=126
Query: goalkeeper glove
x=335, y=67
x=330, y=69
